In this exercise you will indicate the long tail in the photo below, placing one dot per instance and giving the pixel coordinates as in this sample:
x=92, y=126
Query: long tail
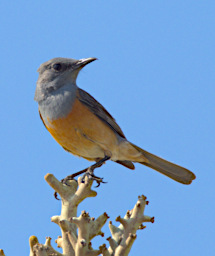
x=169, y=169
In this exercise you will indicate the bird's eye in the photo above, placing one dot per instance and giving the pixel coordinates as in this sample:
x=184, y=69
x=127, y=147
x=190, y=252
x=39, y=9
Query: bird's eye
x=57, y=66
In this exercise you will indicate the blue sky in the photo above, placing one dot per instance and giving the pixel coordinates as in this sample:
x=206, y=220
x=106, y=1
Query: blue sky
x=155, y=75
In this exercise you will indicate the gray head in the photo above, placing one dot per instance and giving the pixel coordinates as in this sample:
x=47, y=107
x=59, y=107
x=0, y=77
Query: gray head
x=56, y=73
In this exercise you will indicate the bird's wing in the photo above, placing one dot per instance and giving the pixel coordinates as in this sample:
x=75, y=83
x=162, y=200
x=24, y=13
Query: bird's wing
x=96, y=108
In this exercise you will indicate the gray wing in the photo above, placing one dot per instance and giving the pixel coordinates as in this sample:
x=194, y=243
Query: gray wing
x=96, y=108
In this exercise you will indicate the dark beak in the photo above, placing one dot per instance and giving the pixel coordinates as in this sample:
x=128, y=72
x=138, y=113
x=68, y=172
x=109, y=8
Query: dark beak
x=83, y=62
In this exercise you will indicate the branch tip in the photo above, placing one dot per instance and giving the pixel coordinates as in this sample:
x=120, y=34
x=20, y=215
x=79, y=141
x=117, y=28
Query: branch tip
x=141, y=226
x=32, y=241
x=48, y=176
x=106, y=215
x=142, y=197
x=2, y=252
x=85, y=214
x=102, y=234
x=117, y=218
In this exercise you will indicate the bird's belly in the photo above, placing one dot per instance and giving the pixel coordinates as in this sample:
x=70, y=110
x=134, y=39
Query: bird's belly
x=82, y=133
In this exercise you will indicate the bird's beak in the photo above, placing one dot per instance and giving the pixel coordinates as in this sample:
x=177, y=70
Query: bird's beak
x=83, y=62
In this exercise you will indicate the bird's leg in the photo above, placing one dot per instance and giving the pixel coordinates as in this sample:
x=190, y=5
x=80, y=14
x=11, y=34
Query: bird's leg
x=90, y=171
x=87, y=170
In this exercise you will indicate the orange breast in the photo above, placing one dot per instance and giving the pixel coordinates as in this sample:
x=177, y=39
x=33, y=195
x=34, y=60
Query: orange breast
x=83, y=133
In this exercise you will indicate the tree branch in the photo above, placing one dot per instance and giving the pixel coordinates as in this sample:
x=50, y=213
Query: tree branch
x=77, y=232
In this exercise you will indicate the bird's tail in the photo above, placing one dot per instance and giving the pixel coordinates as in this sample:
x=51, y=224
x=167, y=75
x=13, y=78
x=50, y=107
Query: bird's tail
x=169, y=169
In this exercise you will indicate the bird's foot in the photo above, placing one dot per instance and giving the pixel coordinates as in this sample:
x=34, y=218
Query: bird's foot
x=87, y=172
x=67, y=178
x=90, y=174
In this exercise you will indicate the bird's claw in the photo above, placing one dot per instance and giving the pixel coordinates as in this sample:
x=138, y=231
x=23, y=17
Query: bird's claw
x=89, y=173
x=65, y=180
x=55, y=195
x=99, y=182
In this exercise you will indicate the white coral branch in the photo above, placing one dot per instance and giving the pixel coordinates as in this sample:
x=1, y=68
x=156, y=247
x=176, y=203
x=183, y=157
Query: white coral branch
x=124, y=235
x=77, y=232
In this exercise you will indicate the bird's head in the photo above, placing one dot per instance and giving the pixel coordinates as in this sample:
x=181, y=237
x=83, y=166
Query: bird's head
x=57, y=73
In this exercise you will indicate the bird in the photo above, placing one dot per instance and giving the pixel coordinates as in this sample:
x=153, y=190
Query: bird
x=83, y=127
